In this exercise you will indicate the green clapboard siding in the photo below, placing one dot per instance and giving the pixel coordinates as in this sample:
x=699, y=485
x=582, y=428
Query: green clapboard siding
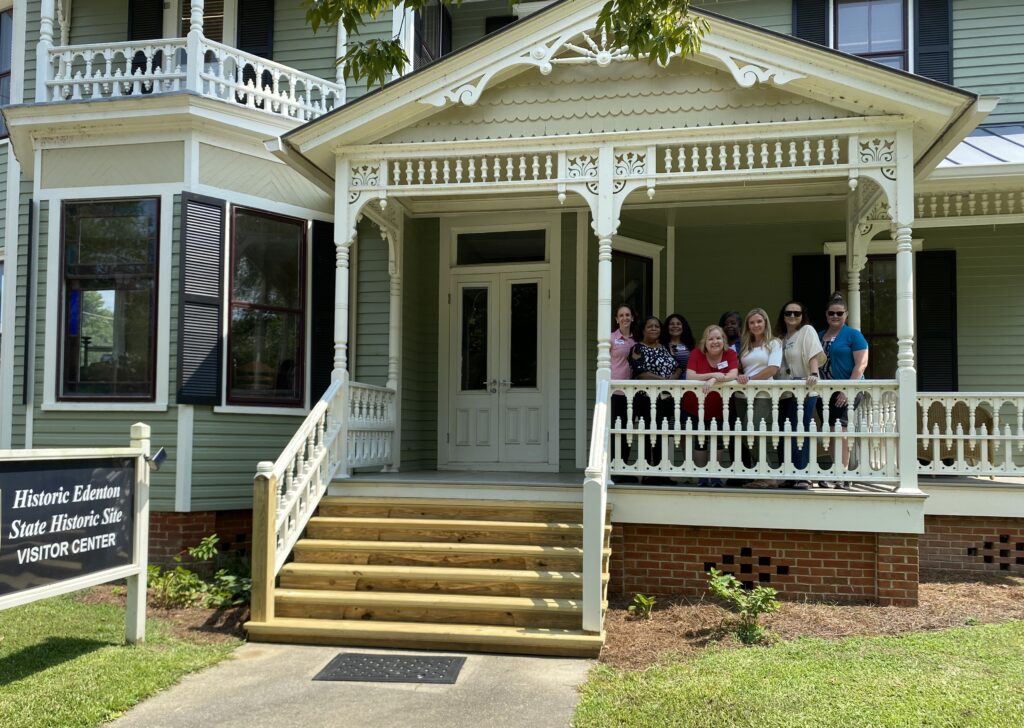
x=31, y=39
x=567, y=348
x=419, y=344
x=98, y=21
x=379, y=29
x=372, y=303
x=990, y=307
x=225, y=451
x=988, y=53
x=766, y=253
x=4, y=148
x=774, y=15
x=469, y=20
x=21, y=311
x=297, y=46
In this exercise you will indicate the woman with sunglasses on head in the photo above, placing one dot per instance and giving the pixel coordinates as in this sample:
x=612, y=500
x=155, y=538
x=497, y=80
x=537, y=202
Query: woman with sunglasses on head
x=651, y=360
x=846, y=353
x=802, y=358
x=677, y=336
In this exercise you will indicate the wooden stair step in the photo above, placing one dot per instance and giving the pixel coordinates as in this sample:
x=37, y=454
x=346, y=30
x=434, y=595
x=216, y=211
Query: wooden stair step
x=468, y=509
x=434, y=579
x=433, y=608
x=502, y=556
x=419, y=635
x=462, y=531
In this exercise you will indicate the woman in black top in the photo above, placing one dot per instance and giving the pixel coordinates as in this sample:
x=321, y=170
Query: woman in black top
x=651, y=360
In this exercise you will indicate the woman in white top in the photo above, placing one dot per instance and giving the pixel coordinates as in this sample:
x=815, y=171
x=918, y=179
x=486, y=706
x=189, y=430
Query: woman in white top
x=801, y=358
x=760, y=359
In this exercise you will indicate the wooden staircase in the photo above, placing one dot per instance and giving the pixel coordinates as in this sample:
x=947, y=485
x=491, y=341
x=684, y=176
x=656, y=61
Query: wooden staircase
x=478, y=575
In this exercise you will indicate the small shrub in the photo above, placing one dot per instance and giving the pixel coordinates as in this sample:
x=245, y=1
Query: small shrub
x=750, y=605
x=641, y=606
x=180, y=587
x=972, y=621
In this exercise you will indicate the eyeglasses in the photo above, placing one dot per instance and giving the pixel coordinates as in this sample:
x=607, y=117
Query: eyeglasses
x=836, y=314
x=793, y=314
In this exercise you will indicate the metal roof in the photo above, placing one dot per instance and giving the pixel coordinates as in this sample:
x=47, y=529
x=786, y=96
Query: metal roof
x=989, y=144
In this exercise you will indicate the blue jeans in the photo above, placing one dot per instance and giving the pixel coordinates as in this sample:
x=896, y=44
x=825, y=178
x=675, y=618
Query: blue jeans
x=787, y=410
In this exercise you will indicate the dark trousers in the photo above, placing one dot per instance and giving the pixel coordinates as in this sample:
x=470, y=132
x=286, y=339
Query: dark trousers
x=663, y=413
x=619, y=420
x=788, y=411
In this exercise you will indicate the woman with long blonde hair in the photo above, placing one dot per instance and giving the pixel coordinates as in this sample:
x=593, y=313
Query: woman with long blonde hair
x=760, y=359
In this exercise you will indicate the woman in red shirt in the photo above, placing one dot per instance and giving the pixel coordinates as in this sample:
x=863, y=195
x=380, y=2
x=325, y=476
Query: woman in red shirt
x=711, y=362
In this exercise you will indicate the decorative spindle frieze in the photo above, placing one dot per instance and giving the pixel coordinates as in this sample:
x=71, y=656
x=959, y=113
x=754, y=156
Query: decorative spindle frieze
x=970, y=434
x=137, y=68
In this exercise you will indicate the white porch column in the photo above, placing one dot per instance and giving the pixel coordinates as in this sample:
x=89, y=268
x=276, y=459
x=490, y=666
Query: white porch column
x=345, y=218
x=193, y=47
x=395, y=338
x=43, y=47
x=64, y=18
x=902, y=211
x=606, y=224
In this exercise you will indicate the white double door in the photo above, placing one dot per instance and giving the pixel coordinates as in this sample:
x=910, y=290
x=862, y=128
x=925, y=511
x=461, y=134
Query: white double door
x=500, y=389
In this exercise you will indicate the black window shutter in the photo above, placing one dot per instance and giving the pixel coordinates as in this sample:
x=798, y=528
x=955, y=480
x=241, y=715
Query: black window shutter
x=936, y=321
x=322, y=309
x=810, y=20
x=200, y=343
x=811, y=277
x=933, y=42
x=256, y=27
x=145, y=19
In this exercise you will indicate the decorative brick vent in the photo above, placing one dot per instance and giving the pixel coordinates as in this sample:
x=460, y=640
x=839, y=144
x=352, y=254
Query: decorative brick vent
x=749, y=569
x=827, y=565
x=973, y=543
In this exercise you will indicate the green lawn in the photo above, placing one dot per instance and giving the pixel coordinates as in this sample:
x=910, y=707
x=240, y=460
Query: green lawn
x=963, y=677
x=64, y=663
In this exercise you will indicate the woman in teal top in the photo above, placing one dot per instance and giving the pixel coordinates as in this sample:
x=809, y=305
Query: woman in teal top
x=846, y=352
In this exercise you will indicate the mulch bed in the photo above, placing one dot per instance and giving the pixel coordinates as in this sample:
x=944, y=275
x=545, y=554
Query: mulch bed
x=681, y=626
x=196, y=624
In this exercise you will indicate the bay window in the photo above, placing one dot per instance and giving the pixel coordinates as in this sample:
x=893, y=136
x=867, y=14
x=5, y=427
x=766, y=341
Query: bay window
x=109, y=285
x=266, y=326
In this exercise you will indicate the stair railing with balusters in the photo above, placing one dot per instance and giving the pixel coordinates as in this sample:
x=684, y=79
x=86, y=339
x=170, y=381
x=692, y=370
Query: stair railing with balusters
x=595, y=505
x=351, y=426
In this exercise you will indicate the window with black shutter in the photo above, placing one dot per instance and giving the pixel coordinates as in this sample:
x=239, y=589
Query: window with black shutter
x=200, y=341
x=935, y=296
x=933, y=40
x=321, y=312
x=810, y=20
x=811, y=285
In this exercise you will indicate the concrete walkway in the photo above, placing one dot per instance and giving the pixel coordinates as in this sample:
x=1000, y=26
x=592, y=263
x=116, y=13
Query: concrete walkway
x=272, y=685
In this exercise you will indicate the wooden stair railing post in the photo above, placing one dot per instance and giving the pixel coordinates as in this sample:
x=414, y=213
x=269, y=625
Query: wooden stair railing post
x=264, y=542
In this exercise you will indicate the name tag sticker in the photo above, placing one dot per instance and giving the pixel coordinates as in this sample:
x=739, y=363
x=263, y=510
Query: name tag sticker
x=723, y=365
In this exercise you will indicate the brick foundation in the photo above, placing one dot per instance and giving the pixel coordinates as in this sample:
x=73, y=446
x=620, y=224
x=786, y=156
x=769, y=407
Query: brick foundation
x=833, y=566
x=973, y=544
x=172, y=533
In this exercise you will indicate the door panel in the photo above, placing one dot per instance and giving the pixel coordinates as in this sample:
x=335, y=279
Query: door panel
x=498, y=413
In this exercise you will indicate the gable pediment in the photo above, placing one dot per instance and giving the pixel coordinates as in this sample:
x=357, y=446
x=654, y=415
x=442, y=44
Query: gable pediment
x=618, y=97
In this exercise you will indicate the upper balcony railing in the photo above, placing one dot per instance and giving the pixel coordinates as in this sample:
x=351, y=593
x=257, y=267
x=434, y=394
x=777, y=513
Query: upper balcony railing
x=211, y=69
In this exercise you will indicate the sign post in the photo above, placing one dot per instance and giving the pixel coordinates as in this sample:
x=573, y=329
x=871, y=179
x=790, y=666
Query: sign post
x=74, y=518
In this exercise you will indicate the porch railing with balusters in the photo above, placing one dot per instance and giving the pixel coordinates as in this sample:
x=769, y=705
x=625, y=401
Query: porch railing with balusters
x=970, y=433
x=351, y=426
x=670, y=433
x=138, y=68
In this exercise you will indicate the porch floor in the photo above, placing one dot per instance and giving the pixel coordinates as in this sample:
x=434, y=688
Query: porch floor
x=575, y=479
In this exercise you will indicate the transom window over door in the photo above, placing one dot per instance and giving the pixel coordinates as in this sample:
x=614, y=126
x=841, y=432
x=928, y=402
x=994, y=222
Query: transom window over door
x=873, y=29
x=108, y=327
x=267, y=330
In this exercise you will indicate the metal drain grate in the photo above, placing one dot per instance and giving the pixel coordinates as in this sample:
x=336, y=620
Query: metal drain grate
x=362, y=667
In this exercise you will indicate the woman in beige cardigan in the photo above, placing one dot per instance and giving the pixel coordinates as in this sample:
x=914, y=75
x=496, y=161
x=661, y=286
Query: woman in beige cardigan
x=801, y=357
